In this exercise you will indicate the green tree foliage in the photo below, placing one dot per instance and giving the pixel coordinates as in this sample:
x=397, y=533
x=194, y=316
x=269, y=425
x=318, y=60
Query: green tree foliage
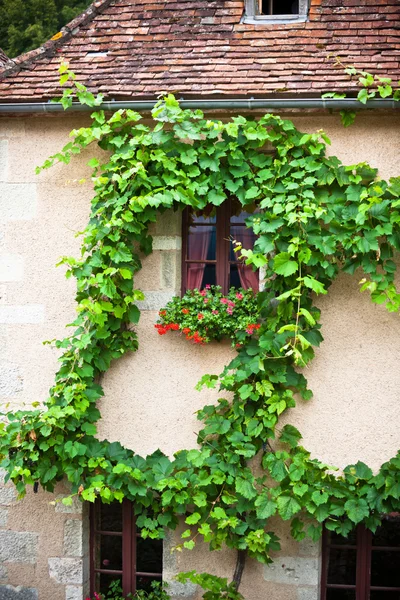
x=26, y=24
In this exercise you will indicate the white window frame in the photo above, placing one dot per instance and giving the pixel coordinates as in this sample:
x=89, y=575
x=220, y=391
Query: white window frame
x=253, y=16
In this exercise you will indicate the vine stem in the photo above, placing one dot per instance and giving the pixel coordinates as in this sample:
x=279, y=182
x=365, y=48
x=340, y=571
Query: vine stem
x=239, y=568
x=298, y=309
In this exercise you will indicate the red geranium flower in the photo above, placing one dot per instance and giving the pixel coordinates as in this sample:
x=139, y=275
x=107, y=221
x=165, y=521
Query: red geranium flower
x=200, y=316
x=185, y=311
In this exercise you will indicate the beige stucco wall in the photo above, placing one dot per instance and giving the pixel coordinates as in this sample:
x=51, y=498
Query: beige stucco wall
x=150, y=401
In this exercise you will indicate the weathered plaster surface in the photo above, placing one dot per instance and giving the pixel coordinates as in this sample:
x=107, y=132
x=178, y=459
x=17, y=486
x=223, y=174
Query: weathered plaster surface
x=149, y=397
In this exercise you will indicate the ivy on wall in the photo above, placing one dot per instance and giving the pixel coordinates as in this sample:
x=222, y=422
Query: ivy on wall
x=317, y=218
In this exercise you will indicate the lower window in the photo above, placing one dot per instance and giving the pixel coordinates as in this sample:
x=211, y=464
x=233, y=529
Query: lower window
x=363, y=566
x=120, y=559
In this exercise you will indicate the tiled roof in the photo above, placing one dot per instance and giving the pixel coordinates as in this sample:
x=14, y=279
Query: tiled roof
x=135, y=49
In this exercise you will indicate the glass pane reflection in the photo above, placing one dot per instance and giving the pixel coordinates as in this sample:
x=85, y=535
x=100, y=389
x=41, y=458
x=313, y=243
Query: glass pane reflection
x=110, y=552
x=388, y=534
x=202, y=243
x=342, y=566
x=337, y=594
x=385, y=568
x=149, y=555
x=109, y=517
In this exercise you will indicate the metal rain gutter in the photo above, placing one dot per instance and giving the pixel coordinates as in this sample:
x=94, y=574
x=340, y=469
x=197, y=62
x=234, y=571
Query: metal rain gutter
x=234, y=103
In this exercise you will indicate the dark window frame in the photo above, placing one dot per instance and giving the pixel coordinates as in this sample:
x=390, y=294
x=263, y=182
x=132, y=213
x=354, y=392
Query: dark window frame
x=222, y=260
x=364, y=547
x=253, y=13
x=129, y=534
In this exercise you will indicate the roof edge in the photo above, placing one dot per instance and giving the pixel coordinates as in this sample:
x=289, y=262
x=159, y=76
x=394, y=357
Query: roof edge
x=48, y=49
x=202, y=103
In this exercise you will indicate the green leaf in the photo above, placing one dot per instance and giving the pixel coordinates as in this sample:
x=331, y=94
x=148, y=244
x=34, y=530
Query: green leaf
x=284, y=265
x=193, y=518
x=266, y=508
x=287, y=507
x=290, y=435
x=357, y=509
x=245, y=488
x=133, y=314
x=314, y=285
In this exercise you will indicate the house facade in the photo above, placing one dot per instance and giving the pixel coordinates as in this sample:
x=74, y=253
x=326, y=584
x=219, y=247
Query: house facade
x=229, y=57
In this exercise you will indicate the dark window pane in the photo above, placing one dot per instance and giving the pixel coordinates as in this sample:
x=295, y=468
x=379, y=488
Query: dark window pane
x=201, y=243
x=144, y=583
x=103, y=581
x=198, y=276
x=109, y=517
x=110, y=552
x=388, y=534
x=280, y=7
x=342, y=566
x=149, y=555
x=339, y=540
x=337, y=594
x=385, y=568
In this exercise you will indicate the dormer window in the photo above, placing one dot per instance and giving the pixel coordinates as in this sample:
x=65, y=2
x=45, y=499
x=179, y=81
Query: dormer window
x=276, y=11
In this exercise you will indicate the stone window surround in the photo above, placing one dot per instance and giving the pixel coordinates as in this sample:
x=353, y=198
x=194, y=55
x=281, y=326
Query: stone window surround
x=253, y=17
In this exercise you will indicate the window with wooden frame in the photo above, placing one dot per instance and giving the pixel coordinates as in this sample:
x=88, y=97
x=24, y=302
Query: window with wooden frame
x=276, y=11
x=363, y=566
x=208, y=249
x=118, y=553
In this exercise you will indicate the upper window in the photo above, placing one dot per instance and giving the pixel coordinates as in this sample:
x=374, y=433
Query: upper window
x=208, y=248
x=275, y=11
x=119, y=556
x=363, y=566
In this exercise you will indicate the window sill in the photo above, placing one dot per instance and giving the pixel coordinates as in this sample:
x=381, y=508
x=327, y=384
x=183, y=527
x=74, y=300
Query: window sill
x=274, y=19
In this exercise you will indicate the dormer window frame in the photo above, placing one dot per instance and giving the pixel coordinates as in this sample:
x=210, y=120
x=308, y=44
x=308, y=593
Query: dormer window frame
x=253, y=15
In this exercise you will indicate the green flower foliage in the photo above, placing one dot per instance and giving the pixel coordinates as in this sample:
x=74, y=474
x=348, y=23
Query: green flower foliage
x=317, y=217
x=208, y=315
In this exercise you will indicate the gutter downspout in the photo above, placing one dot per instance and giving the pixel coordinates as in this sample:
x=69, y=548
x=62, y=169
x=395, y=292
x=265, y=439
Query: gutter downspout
x=235, y=103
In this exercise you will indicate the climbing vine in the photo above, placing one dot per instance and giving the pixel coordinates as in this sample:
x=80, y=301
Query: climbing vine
x=317, y=218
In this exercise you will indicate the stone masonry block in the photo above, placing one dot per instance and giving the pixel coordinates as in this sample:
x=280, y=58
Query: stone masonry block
x=18, y=201
x=11, y=267
x=73, y=537
x=7, y=495
x=75, y=508
x=11, y=380
x=3, y=573
x=73, y=592
x=8, y=592
x=155, y=300
x=167, y=242
x=168, y=270
x=169, y=223
x=66, y=570
x=18, y=546
x=186, y=591
x=28, y=314
x=293, y=570
x=3, y=517
x=308, y=593
x=3, y=159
